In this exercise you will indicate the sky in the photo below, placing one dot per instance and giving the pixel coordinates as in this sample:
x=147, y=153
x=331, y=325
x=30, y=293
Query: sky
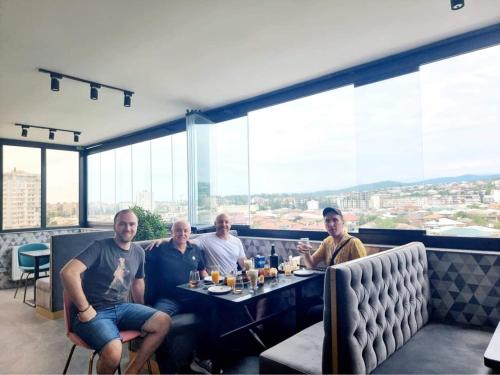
x=441, y=121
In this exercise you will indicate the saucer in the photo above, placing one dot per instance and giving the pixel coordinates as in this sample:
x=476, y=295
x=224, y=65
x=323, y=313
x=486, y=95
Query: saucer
x=303, y=272
x=219, y=289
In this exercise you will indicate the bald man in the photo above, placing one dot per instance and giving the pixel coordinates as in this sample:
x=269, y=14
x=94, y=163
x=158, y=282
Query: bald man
x=222, y=249
x=169, y=265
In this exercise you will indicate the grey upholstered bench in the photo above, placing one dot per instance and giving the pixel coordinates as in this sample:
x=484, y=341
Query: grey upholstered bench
x=378, y=319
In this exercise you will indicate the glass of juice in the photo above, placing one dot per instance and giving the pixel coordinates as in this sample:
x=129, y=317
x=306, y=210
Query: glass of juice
x=215, y=276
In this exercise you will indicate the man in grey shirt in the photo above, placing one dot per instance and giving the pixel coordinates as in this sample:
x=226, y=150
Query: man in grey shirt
x=99, y=281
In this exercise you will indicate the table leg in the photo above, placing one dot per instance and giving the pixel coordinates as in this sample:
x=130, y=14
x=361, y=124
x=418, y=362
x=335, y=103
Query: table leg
x=215, y=342
x=299, y=308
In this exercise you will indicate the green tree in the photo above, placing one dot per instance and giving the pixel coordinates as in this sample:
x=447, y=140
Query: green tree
x=151, y=225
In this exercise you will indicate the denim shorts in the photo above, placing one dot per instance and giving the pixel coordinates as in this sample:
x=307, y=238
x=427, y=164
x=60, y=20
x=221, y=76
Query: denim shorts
x=108, y=323
x=175, y=306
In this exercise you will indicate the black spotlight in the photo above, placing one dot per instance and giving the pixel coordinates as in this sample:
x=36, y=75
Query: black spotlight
x=127, y=98
x=24, y=131
x=54, y=81
x=52, y=134
x=457, y=4
x=93, y=91
x=76, y=136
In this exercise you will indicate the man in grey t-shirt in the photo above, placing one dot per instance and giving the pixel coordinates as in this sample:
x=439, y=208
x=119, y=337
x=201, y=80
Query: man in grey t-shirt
x=99, y=281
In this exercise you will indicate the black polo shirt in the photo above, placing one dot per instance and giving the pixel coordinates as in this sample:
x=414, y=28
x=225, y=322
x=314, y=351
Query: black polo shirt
x=167, y=267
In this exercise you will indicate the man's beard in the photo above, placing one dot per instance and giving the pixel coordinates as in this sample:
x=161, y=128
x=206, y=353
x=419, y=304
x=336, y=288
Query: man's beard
x=127, y=237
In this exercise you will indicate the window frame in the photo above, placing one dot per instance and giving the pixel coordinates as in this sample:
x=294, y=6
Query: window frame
x=43, y=183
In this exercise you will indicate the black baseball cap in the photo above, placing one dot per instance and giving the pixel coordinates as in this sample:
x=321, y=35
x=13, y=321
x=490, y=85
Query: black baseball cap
x=331, y=210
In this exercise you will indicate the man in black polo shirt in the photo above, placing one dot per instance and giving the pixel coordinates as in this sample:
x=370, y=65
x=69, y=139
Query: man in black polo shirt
x=168, y=266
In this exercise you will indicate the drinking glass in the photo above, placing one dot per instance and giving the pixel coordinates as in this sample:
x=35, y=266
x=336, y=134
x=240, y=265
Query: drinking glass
x=194, y=279
x=215, y=276
x=239, y=285
x=253, y=276
x=305, y=241
x=248, y=263
x=287, y=267
x=231, y=280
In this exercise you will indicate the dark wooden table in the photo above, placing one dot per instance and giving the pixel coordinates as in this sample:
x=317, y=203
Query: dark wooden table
x=218, y=301
x=37, y=255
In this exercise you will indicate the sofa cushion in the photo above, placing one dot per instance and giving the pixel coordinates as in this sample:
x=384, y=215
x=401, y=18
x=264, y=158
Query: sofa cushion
x=440, y=349
x=299, y=354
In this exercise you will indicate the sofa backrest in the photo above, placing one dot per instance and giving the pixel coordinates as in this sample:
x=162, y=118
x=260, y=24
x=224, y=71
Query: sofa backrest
x=373, y=306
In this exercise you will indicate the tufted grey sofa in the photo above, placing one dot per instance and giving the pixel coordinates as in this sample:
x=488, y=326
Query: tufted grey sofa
x=378, y=319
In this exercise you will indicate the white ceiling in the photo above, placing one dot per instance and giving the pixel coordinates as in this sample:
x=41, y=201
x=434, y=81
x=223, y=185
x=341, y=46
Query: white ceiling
x=193, y=54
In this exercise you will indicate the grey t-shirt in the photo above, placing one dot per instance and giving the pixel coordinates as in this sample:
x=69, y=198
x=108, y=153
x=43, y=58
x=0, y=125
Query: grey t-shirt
x=110, y=271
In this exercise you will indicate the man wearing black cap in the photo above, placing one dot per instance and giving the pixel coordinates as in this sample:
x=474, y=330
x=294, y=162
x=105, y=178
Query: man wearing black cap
x=338, y=247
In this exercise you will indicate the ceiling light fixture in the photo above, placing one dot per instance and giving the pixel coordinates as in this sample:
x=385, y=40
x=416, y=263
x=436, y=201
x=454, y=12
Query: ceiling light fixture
x=52, y=131
x=94, y=86
x=94, y=94
x=54, y=81
x=457, y=4
x=127, y=98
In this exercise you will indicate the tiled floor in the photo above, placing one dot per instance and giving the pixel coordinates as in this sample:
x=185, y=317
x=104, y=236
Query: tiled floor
x=30, y=344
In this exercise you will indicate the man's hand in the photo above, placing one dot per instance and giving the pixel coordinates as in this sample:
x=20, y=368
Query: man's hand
x=87, y=315
x=154, y=244
x=304, y=248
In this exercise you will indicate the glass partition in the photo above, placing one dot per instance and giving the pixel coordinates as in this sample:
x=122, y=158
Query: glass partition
x=123, y=163
x=201, y=169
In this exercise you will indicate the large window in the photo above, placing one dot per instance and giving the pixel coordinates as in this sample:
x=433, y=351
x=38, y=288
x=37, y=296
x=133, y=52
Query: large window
x=62, y=188
x=25, y=194
x=21, y=187
x=300, y=153
x=418, y=151
x=149, y=174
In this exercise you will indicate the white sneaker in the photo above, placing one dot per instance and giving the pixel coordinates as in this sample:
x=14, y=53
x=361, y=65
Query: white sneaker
x=201, y=366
